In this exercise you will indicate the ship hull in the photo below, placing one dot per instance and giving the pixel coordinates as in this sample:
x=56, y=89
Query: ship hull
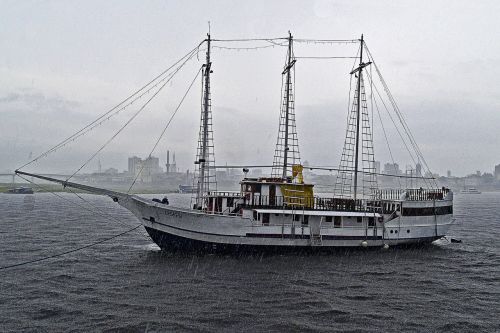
x=177, y=229
x=174, y=243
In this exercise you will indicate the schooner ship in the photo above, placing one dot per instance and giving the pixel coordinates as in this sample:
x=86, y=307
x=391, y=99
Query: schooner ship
x=281, y=211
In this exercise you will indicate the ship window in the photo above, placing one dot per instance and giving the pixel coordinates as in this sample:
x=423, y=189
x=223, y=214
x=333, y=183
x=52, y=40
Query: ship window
x=408, y=231
x=265, y=219
x=337, y=221
x=395, y=231
x=152, y=219
x=296, y=218
x=359, y=219
x=255, y=217
x=328, y=218
x=392, y=231
x=306, y=219
x=371, y=221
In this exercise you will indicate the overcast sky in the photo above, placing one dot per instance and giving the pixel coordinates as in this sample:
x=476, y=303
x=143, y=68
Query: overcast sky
x=63, y=63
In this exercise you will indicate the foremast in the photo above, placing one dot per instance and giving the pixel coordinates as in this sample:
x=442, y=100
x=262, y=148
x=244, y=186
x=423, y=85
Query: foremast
x=287, y=147
x=205, y=176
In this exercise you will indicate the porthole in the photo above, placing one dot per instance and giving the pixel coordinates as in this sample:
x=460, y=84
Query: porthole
x=392, y=231
x=395, y=231
x=408, y=231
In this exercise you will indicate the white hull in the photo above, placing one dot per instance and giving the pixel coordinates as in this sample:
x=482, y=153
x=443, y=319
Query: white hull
x=177, y=224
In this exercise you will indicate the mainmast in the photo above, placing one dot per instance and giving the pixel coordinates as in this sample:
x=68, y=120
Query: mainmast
x=287, y=148
x=287, y=102
x=205, y=154
x=358, y=109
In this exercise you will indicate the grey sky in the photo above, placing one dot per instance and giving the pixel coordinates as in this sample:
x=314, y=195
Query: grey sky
x=65, y=62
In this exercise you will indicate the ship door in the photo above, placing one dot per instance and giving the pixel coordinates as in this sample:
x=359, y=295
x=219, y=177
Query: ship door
x=272, y=195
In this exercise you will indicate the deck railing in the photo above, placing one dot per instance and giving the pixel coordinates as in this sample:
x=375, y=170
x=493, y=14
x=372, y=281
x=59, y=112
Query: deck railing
x=412, y=194
x=384, y=201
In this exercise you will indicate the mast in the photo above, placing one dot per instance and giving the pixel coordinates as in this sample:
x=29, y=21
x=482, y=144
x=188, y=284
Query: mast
x=287, y=152
x=287, y=105
x=205, y=142
x=358, y=109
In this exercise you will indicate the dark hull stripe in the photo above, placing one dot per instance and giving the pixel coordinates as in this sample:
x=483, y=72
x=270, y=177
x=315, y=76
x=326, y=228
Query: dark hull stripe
x=170, y=242
x=300, y=236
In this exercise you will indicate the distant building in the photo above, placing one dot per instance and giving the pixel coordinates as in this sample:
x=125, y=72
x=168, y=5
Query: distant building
x=144, y=169
x=418, y=169
x=171, y=166
x=134, y=165
x=497, y=172
x=111, y=171
x=377, y=166
x=392, y=169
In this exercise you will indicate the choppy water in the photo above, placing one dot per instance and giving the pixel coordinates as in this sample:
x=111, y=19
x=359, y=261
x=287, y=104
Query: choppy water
x=127, y=285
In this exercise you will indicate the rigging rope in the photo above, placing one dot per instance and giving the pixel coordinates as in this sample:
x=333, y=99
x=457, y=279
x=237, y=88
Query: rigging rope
x=108, y=114
x=326, y=41
x=385, y=133
x=166, y=126
x=250, y=39
x=75, y=203
x=400, y=115
x=395, y=125
x=326, y=57
x=78, y=248
x=247, y=48
x=70, y=251
x=132, y=118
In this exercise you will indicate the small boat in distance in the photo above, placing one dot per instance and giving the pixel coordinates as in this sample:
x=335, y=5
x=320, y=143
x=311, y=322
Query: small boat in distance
x=470, y=190
x=281, y=211
x=20, y=190
x=186, y=188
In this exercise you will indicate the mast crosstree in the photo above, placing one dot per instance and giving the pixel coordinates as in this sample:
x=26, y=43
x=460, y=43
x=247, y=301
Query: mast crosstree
x=287, y=152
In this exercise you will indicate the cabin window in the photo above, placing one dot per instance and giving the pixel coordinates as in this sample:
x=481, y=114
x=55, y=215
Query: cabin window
x=371, y=221
x=306, y=219
x=296, y=218
x=265, y=219
x=328, y=219
x=255, y=217
x=337, y=223
x=359, y=219
x=230, y=202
